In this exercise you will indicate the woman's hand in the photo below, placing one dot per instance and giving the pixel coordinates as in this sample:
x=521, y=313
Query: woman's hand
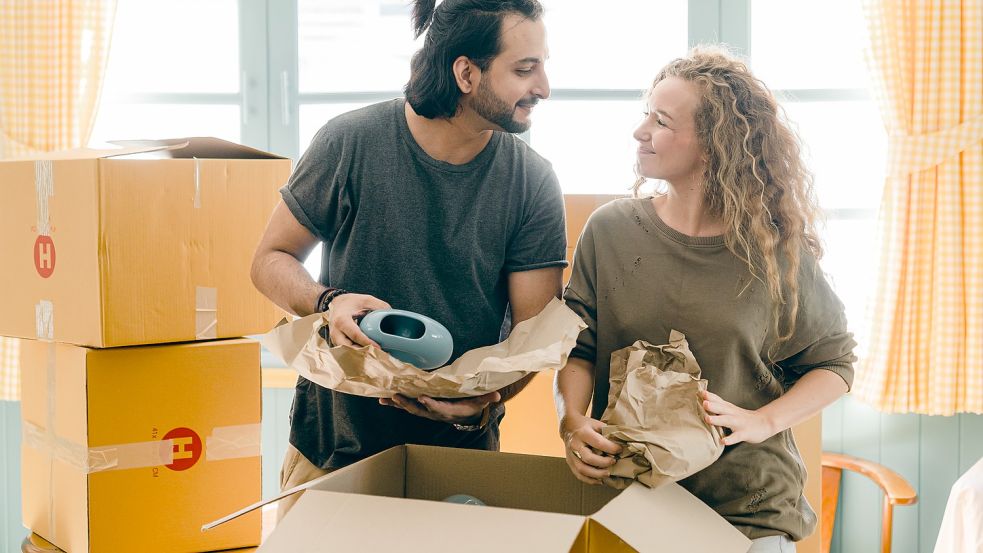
x=744, y=425
x=582, y=438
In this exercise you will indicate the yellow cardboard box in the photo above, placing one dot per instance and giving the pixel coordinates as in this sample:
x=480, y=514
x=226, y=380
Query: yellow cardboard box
x=141, y=445
x=148, y=244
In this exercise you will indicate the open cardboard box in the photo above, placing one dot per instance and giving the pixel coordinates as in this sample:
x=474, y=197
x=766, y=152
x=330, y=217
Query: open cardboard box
x=392, y=501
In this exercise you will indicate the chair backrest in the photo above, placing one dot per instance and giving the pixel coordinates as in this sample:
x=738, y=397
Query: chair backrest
x=897, y=491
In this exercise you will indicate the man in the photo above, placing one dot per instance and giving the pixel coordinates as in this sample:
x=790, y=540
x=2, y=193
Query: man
x=424, y=205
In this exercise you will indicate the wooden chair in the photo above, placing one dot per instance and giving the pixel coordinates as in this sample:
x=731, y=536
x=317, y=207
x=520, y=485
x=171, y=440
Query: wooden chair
x=897, y=491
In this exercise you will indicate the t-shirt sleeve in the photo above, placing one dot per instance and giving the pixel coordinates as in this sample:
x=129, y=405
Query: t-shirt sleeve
x=580, y=295
x=315, y=193
x=821, y=339
x=541, y=240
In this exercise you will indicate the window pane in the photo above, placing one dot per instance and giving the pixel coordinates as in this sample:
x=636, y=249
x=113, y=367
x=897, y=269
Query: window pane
x=846, y=149
x=623, y=45
x=808, y=44
x=174, y=46
x=139, y=121
x=590, y=144
x=354, y=45
x=331, y=32
x=314, y=116
x=850, y=264
x=313, y=262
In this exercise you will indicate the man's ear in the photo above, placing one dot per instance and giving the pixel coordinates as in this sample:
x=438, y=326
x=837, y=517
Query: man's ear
x=466, y=74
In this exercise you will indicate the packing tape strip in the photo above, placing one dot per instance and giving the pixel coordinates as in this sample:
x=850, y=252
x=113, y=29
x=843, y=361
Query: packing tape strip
x=44, y=186
x=233, y=442
x=50, y=436
x=197, y=183
x=206, y=313
x=66, y=451
x=130, y=456
x=44, y=320
x=225, y=442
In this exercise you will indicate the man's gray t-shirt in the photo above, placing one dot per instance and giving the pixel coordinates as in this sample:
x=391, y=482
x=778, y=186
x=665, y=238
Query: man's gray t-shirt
x=424, y=236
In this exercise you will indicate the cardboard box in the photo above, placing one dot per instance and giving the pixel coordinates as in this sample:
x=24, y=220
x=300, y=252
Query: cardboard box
x=392, y=502
x=141, y=445
x=109, y=248
x=578, y=208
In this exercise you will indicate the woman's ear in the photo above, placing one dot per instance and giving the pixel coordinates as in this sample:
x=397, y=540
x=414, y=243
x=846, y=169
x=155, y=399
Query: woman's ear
x=465, y=74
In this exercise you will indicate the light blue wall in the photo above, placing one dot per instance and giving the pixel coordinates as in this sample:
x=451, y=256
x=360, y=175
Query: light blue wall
x=11, y=530
x=931, y=452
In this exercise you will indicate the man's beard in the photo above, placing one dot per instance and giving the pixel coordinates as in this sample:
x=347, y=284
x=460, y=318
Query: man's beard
x=497, y=111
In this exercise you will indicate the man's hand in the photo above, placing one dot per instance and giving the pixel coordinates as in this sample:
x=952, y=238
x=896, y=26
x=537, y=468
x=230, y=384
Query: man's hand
x=451, y=411
x=582, y=438
x=343, y=311
x=744, y=425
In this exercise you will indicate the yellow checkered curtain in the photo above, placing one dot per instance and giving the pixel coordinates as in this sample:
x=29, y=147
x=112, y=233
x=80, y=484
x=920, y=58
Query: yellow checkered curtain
x=926, y=341
x=52, y=60
x=9, y=373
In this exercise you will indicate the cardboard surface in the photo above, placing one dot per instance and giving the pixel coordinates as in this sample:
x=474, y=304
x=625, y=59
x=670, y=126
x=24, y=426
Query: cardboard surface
x=96, y=420
x=103, y=248
x=393, y=499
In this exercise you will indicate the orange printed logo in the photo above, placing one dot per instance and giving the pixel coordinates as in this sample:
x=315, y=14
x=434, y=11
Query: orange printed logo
x=44, y=256
x=187, y=448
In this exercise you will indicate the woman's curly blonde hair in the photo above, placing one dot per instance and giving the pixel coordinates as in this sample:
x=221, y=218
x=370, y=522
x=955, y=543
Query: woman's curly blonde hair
x=754, y=178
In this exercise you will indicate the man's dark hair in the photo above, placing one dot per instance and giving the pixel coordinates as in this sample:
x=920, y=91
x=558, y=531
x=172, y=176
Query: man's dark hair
x=471, y=28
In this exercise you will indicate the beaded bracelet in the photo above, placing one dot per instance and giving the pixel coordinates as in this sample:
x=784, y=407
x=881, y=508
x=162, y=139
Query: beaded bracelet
x=324, y=300
x=320, y=299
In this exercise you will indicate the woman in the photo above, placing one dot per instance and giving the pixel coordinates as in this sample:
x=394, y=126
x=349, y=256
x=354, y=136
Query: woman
x=727, y=255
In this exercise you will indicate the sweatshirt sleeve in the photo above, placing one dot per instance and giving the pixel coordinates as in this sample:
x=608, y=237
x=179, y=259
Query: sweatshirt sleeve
x=820, y=339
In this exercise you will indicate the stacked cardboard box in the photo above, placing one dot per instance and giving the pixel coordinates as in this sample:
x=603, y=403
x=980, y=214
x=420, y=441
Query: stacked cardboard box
x=124, y=275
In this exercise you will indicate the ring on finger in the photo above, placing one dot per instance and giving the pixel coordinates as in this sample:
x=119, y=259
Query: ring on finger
x=576, y=453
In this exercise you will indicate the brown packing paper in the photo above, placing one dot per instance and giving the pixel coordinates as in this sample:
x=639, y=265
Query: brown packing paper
x=540, y=343
x=656, y=414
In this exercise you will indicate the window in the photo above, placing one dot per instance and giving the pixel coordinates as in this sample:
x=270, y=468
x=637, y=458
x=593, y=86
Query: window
x=166, y=84
x=823, y=84
x=271, y=73
x=596, y=90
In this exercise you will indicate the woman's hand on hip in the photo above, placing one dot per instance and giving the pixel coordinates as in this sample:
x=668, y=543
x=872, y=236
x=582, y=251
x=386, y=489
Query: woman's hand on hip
x=745, y=425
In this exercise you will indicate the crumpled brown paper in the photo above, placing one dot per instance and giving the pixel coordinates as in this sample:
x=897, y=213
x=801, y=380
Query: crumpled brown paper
x=655, y=412
x=540, y=343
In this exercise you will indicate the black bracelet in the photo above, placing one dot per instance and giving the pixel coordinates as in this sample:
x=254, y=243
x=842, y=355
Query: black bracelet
x=324, y=301
x=320, y=300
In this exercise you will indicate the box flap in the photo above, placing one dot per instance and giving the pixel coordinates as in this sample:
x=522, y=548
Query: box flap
x=669, y=518
x=380, y=474
x=88, y=153
x=354, y=522
x=527, y=481
x=203, y=147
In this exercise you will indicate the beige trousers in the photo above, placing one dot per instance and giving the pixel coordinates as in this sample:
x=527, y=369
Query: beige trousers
x=296, y=470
